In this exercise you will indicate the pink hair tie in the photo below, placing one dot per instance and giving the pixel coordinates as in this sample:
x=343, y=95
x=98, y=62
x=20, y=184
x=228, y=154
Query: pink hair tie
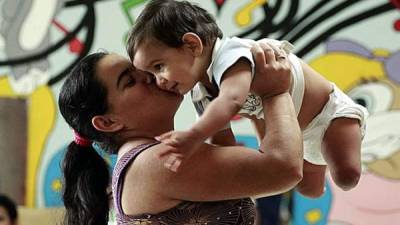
x=81, y=141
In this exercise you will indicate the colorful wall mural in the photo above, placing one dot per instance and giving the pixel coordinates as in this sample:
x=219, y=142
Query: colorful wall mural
x=353, y=43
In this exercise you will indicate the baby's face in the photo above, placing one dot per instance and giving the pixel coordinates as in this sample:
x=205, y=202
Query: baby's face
x=172, y=67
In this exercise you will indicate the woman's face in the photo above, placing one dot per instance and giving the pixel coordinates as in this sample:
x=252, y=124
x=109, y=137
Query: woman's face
x=4, y=217
x=134, y=98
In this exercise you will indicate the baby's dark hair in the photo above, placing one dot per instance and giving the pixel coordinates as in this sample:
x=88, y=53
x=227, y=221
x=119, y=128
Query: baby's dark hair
x=168, y=20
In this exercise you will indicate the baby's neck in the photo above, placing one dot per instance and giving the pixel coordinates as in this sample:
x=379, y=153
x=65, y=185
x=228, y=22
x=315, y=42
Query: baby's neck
x=205, y=63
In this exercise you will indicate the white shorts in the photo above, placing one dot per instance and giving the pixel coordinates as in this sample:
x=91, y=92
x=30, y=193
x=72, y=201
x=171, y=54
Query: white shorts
x=339, y=105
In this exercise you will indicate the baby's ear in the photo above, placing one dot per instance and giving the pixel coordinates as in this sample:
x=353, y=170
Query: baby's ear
x=193, y=43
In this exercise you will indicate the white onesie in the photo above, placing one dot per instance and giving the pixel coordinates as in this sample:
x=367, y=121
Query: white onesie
x=228, y=51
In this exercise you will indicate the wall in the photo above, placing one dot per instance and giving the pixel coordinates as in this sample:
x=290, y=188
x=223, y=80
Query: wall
x=353, y=43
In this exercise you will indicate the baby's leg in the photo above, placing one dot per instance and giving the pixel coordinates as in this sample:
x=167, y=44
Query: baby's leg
x=342, y=151
x=313, y=183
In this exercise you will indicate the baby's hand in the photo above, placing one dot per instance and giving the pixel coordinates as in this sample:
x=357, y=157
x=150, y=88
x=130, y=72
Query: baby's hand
x=182, y=145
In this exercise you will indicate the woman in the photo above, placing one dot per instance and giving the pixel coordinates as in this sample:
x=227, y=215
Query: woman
x=106, y=101
x=8, y=211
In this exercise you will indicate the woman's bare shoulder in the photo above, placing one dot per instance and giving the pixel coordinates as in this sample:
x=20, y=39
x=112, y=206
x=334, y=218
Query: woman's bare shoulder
x=212, y=173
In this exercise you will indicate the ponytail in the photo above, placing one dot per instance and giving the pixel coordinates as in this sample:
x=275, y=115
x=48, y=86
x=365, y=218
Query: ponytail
x=86, y=180
x=86, y=175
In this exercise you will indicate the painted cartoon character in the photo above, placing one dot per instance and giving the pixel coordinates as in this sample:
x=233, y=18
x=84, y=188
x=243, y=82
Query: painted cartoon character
x=373, y=80
x=25, y=31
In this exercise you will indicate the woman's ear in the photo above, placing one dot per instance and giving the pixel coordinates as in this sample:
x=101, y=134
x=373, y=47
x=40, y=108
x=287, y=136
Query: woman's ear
x=106, y=124
x=193, y=43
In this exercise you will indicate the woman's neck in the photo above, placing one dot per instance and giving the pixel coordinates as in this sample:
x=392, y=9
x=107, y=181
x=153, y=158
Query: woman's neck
x=134, y=143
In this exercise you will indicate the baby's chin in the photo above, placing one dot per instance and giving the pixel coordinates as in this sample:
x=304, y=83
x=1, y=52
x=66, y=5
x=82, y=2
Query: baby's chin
x=183, y=91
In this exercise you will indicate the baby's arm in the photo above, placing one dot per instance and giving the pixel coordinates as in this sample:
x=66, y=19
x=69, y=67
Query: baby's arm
x=235, y=86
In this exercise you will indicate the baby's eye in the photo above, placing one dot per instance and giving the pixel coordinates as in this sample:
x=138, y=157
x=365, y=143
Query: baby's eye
x=158, y=67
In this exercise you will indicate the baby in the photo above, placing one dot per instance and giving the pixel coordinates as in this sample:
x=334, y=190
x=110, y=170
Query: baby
x=182, y=46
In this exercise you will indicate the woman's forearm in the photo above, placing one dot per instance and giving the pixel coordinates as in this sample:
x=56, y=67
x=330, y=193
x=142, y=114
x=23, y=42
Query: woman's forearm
x=283, y=138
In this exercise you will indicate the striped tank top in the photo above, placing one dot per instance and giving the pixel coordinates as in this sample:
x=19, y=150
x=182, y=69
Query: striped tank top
x=228, y=212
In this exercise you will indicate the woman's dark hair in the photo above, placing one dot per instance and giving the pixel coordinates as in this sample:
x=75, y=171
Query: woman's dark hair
x=168, y=20
x=9, y=206
x=86, y=175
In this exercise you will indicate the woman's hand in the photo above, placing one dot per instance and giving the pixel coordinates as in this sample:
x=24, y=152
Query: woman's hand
x=272, y=72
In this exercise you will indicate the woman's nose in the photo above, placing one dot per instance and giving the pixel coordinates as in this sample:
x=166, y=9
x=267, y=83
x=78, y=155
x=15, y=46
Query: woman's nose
x=150, y=78
x=142, y=76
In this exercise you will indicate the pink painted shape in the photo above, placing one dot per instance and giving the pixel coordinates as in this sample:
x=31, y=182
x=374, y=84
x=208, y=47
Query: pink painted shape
x=396, y=3
x=220, y=2
x=375, y=201
x=236, y=117
x=75, y=45
x=397, y=25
